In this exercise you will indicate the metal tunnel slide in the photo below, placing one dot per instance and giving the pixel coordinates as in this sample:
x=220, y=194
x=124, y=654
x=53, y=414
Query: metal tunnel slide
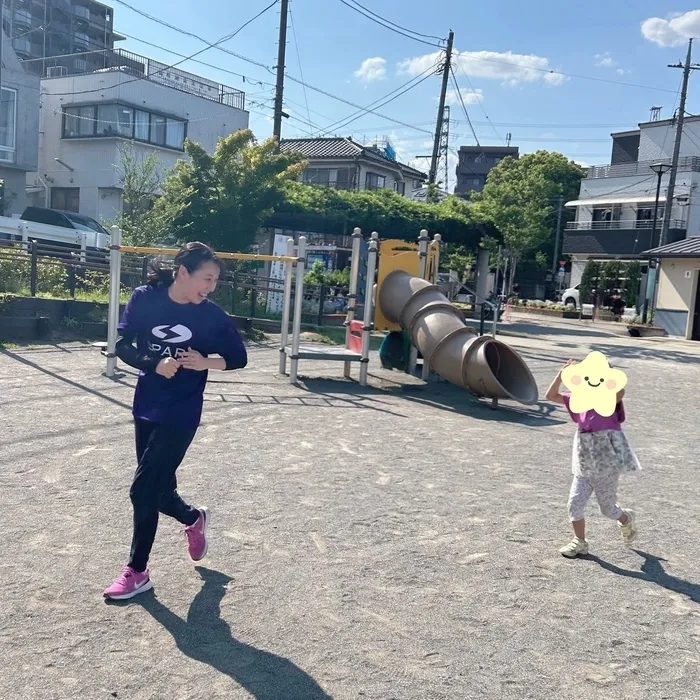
x=480, y=364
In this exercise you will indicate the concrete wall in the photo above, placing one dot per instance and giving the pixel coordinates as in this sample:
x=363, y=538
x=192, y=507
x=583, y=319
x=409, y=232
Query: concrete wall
x=656, y=140
x=675, y=300
x=26, y=128
x=95, y=161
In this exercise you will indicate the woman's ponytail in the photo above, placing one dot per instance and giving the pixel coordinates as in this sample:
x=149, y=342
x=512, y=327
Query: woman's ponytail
x=160, y=276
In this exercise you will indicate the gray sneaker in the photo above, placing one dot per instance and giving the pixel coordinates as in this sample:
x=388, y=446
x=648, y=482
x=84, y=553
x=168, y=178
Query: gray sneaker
x=575, y=548
x=629, y=529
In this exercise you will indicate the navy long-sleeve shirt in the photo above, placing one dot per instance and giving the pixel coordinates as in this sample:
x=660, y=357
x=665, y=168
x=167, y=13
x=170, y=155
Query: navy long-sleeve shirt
x=161, y=328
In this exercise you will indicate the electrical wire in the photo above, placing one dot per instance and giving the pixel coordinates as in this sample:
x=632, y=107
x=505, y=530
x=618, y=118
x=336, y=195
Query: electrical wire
x=223, y=39
x=342, y=123
x=389, y=27
x=301, y=71
x=478, y=99
x=398, y=26
x=464, y=107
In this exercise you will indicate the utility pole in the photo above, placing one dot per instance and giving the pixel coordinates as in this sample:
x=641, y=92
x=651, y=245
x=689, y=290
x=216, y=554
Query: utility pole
x=555, y=262
x=687, y=67
x=279, y=89
x=445, y=68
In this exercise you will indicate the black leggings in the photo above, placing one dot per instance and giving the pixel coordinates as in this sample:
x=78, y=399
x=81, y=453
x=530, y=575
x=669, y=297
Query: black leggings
x=160, y=449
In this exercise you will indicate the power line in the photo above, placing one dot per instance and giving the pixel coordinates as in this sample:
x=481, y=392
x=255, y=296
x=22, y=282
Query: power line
x=223, y=39
x=388, y=21
x=464, y=107
x=301, y=71
x=389, y=27
x=342, y=123
x=194, y=36
x=478, y=98
x=252, y=81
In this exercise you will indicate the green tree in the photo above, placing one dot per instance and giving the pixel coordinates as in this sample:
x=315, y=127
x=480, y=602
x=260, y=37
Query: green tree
x=633, y=279
x=590, y=280
x=230, y=192
x=319, y=274
x=610, y=275
x=457, y=258
x=147, y=219
x=521, y=198
x=385, y=211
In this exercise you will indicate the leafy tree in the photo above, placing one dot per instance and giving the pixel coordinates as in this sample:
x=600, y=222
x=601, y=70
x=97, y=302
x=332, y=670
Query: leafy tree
x=590, y=280
x=457, y=258
x=147, y=219
x=230, y=192
x=632, y=282
x=610, y=274
x=319, y=274
x=385, y=211
x=521, y=197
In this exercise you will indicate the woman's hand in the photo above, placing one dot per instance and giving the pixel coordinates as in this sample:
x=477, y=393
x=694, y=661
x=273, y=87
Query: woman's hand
x=193, y=360
x=167, y=367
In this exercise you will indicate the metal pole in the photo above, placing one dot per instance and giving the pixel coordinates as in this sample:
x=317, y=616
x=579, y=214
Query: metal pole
x=279, y=90
x=432, y=176
x=298, y=301
x=435, y=245
x=557, y=239
x=33, y=273
x=423, y=242
x=645, y=307
x=352, y=291
x=115, y=261
x=369, y=307
x=286, y=305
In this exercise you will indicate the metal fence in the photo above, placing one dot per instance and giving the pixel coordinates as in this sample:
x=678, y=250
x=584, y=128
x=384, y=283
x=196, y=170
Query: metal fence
x=37, y=268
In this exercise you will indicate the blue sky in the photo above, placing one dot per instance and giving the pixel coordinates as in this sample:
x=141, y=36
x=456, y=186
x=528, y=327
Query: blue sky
x=501, y=44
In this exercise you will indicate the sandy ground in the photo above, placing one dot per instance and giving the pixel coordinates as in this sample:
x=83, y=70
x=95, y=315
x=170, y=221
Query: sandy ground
x=395, y=542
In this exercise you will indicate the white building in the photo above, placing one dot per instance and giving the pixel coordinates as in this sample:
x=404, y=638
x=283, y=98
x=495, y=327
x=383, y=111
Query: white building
x=341, y=163
x=86, y=120
x=615, y=208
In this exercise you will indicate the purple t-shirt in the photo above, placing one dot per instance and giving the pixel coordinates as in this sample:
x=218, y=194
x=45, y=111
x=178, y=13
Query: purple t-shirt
x=592, y=422
x=163, y=329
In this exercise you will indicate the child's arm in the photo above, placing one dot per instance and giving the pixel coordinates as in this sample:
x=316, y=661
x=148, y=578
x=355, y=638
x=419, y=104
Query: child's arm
x=553, y=394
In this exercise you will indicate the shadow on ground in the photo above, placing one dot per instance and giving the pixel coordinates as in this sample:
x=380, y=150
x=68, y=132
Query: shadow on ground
x=442, y=396
x=652, y=570
x=206, y=638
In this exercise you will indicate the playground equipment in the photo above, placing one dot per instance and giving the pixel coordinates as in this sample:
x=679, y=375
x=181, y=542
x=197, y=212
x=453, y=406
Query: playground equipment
x=295, y=267
x=405, y=297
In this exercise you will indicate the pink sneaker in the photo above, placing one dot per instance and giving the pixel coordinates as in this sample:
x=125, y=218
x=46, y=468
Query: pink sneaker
x=129, y=584
x=196, y=534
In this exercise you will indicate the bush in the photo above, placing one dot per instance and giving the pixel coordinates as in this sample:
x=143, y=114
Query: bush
x=14, y=271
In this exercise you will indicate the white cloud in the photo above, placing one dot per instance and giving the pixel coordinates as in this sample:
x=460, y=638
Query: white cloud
x=622, y=71
x=674, y=31
x=470, y=97
x=604, y=60
x=372, y=69
x=511, y=68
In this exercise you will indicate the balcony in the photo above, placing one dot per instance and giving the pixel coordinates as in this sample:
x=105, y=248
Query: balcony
x=623, y=225
x=642, y=167
x=23, y=19
x=616, y=238
x=80, y=12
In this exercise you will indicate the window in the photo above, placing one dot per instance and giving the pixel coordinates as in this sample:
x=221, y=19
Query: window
x=158, y=129
x=476, y=181
x=66, y=198
x=174, y=133
x=318, y=176
x=115, y=120
x=79, y=121
x=8, y=121
x=647, y=213
x=400, y=187
x=374, y=181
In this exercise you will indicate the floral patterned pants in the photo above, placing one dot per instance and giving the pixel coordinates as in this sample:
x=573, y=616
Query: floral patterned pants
x=605, y=488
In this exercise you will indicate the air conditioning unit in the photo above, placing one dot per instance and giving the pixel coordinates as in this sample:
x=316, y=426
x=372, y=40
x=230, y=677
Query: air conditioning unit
x=56, y=71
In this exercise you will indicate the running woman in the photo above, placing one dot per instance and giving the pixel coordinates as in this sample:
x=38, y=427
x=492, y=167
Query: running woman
x=168, y=331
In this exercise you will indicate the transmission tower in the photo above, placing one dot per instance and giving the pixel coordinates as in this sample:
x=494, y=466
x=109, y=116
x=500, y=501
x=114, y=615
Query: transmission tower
x=444, y=151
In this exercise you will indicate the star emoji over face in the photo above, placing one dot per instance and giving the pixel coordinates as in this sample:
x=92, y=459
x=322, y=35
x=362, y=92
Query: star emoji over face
x=593, y=385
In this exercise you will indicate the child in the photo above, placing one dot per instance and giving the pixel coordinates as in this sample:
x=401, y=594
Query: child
x=175, y=328
x=601, y=453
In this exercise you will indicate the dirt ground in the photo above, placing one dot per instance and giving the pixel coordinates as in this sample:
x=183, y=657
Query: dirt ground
x=394, y=542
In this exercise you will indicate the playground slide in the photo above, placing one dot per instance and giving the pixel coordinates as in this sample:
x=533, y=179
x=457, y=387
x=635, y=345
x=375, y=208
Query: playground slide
x=480, y=364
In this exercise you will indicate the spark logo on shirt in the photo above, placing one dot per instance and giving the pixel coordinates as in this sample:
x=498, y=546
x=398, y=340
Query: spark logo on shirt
x=172, y=334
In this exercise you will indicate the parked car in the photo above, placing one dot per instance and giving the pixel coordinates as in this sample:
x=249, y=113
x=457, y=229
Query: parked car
x=571, y=297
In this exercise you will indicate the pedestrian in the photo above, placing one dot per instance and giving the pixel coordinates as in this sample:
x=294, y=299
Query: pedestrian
x=168, y=332
x=601, y=453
